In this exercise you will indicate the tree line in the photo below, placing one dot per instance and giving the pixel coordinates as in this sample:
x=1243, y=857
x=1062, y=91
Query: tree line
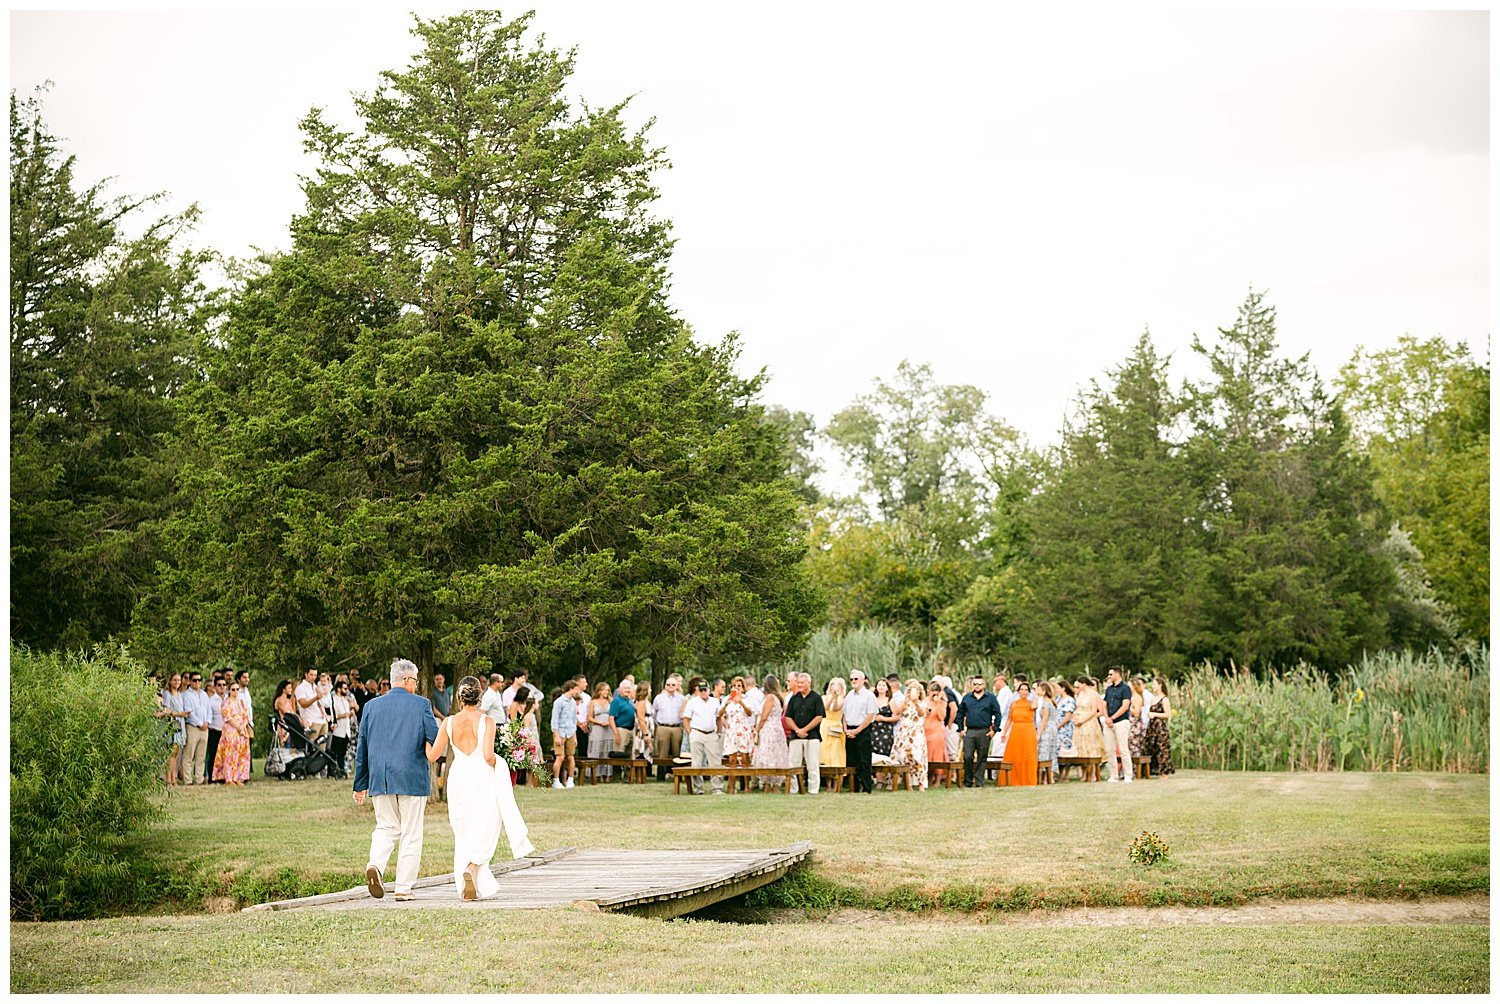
x=459, y=418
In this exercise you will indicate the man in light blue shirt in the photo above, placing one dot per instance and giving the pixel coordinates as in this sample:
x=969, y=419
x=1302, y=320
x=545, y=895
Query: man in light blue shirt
x=565, y=733
x=195, y=703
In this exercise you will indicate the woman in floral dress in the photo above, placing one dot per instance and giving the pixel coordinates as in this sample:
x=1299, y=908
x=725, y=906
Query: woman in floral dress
x=1158, y=744
x=1138, y=719
x=1066, y=705
x=910, y=742
x=232, y=759
x=883, y=731
x=770, y=735
x=1046, y=736
x=739, y=730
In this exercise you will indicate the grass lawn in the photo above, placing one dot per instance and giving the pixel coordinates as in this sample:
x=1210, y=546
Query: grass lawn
x=1233, y=837
x=515, y=952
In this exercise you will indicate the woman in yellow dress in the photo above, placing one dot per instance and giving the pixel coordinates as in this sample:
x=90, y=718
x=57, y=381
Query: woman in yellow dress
x=831, y=729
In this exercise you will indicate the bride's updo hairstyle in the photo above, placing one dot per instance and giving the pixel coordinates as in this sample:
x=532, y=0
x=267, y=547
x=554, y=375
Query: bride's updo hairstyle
x=470, y=690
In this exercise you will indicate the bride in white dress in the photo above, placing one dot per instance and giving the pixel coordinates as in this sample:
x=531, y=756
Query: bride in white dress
x=480, y=799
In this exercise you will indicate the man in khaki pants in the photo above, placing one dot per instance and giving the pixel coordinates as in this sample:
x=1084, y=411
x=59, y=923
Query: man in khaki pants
x=391, y=765
x=193, y=754
x=1116, y=724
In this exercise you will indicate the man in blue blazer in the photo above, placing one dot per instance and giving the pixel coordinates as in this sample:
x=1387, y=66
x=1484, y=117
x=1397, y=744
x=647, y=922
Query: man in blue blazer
x=390, y=763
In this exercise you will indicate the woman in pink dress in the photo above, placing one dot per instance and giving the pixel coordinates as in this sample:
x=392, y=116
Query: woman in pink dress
x=770, y=736
x=232, y=760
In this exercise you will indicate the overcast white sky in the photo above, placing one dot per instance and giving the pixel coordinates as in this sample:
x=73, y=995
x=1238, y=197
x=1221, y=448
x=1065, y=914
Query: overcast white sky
x=1010, y=196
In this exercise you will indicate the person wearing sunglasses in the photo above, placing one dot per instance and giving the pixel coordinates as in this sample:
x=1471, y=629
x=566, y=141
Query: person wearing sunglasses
x=232, y=759
x=701, y=715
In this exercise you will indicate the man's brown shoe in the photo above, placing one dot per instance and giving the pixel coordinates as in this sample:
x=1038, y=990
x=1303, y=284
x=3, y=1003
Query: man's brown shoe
x=372, y=882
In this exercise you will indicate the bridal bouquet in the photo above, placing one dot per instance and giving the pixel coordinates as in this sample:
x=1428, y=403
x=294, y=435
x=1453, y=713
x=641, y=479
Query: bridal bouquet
x=521, y=752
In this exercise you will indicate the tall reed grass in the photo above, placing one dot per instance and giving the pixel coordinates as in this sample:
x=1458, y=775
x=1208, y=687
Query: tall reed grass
x=1392, y=711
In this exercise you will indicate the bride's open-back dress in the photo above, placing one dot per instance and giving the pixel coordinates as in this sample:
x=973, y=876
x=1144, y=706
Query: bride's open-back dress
x=480, y=800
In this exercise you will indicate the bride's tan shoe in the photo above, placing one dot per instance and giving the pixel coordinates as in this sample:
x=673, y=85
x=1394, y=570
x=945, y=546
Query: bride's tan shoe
x=470, y=892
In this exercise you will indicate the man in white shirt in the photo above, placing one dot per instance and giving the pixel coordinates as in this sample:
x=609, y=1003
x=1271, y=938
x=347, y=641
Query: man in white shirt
x=508, y=695
x=666, y=711
x=493, y=701
x=310, y=705
x=1004, y=695
x=860, y=708
x=755, y=697
x=701, y=715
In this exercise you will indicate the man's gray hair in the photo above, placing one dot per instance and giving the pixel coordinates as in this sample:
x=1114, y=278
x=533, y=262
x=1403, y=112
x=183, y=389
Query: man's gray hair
x=403, y=669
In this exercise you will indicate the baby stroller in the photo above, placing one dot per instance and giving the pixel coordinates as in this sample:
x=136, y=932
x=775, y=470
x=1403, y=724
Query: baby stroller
x=314, y=758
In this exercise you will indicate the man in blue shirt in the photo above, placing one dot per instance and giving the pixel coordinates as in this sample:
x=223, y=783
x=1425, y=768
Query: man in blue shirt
x=622, y=710
x=1117, y=697
x=565, y=733
x=199, y=716
x=390, y=764
x=979, y=714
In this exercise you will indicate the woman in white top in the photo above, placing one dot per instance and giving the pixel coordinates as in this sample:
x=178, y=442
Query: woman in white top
x=480, y=799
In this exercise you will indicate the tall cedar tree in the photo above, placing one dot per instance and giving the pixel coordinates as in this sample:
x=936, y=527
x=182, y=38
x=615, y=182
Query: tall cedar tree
x=459, y=421
x=1287, y=512
x=101, y=331
x=1115, y=574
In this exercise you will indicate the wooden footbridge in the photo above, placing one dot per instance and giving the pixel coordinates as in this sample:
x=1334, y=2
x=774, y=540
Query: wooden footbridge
x=661, y=884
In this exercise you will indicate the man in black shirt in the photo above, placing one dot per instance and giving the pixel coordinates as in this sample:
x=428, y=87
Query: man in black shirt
x=1117, y=726
x=805, y=709
x=979, y=715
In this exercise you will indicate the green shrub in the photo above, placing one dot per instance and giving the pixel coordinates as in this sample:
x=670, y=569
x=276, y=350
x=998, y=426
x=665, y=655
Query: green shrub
x=86, y=763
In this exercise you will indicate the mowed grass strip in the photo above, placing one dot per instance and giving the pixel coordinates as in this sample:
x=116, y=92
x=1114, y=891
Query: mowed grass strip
x=518, y=952
x=1233, y=837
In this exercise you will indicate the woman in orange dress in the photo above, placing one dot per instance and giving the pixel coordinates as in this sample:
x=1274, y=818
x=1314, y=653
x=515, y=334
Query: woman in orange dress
x=936, y=728
x=1019, y=737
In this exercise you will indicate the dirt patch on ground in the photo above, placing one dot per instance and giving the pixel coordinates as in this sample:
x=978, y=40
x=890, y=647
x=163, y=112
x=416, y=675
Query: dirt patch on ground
x=1455, y=910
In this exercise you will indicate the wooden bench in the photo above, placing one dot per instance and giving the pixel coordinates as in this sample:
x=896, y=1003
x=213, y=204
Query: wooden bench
x=1002, y=772
x=833, y=778
x=589, y=769
x=953, y=771
x=1088, y=767
x=733, y=774
x=1140, y=766
x=895, y=773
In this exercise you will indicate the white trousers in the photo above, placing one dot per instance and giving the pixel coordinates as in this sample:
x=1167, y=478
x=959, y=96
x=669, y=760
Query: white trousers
x=706, y=754
x=1117, y=743
x=805, y=752
x=952, y=743
x=398, y=819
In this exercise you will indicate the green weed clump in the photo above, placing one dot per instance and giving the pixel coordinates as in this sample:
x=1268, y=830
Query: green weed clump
x=1392, y=711
x=86, y=763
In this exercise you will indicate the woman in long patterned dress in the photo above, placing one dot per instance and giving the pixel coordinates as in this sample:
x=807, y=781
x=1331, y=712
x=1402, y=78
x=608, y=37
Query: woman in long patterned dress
x=1138, y=718
x=1088, y=734
x=645, y=724
x=910, y=742
x=232, y=759
x=883, y=731
x=174, y=701
x=831, y=751
x=1066, y=705
x=1046, y=737
x=770, y=735
x=1020, y=738
x=1158, y=744
x=739, y=729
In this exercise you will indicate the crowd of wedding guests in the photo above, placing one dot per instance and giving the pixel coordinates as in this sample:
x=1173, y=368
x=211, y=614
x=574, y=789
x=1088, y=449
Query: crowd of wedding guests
x=736, y=722
x=785, y=723
x=213, y=719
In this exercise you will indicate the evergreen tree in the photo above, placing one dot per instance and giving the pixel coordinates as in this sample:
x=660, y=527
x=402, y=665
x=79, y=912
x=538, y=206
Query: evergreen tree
x=1115, y=571
x=102, y=328
x=459, y=419
x=1289, y=520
